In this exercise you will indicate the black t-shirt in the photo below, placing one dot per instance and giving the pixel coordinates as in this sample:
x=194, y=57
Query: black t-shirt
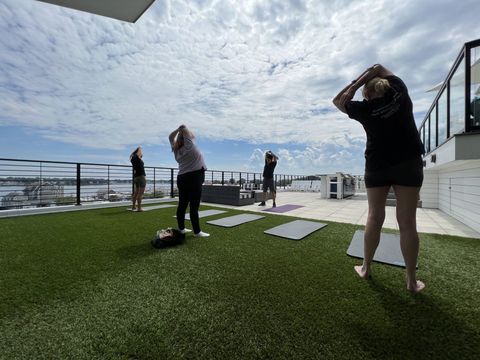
x=392, y=136
x=268, y=169
x=137, y=163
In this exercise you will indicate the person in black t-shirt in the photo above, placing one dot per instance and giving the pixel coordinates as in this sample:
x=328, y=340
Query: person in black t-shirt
x=268, y=180
x=393, y=159
x=139, y=178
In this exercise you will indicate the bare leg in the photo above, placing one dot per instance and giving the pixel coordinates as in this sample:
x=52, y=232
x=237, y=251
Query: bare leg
x=134, y=197
x=377, y=197
x=407, y=198
x=139, y=198
x=274, y=195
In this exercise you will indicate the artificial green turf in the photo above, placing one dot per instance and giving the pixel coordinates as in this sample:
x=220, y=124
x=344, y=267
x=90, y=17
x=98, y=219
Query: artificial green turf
x=88, y=285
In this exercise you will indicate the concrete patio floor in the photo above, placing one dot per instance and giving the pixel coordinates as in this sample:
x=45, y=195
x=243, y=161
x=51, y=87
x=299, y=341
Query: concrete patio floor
x=354, y=211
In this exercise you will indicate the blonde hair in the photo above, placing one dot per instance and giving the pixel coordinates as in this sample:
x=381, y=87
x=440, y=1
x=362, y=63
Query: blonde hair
x=377, y=87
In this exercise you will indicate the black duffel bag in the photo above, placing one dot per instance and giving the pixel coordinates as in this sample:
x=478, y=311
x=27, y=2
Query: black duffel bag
x=167, y=237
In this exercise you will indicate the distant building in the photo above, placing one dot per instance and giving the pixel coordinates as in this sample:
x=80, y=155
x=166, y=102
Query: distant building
x=33, y=195
x=14, y=200
x=43, y=194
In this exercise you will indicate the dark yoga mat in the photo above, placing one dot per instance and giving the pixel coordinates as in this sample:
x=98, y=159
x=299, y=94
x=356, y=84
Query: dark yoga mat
x=388, y=251
x=283, y=208
x=235, y=220
x=295, y=230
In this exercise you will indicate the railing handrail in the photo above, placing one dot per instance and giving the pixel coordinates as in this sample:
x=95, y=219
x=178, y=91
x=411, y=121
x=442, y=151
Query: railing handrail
x=146, y=166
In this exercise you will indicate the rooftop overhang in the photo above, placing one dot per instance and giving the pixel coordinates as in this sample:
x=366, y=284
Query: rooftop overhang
x=475, y=78
x=125, y=10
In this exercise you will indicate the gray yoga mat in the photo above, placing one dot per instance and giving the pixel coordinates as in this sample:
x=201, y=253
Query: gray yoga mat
x=148, y=208
x=204, y=213
x=283, y=208
x=235, y=220
x=388, y=251
x=295, y=230
x=163, y=206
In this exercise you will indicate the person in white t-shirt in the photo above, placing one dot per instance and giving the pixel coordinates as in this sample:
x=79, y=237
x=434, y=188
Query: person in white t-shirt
x=191, y=175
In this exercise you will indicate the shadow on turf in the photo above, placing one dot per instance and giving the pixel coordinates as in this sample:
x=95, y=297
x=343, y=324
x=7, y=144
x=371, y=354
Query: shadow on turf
x=142, y=250
x=416, y=328
x=137, y=250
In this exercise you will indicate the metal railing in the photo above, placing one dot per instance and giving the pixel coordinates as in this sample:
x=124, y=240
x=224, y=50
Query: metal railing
x=453, y=111
x=40, y=183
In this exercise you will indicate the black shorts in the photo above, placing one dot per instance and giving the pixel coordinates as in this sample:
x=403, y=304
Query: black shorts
x=407, y=173
x=269, y=184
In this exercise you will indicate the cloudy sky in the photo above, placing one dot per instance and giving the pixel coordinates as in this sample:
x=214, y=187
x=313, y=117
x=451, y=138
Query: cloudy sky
x=246, y=76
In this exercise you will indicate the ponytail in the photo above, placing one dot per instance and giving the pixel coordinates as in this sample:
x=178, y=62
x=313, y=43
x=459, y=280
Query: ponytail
x=134, y=152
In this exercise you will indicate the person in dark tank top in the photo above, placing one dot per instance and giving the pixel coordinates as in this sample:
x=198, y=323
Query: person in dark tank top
x=139, y=178
x=268, y=178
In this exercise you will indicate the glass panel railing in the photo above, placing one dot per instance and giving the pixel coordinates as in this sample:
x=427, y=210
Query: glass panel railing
x=475, y=87
x=427, y=135
x=442, y=118
x=433, y=128
x=457, y=100
x=422, y=136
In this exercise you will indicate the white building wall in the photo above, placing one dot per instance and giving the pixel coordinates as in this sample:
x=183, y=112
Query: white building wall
x=459, y=192
x=429, y=190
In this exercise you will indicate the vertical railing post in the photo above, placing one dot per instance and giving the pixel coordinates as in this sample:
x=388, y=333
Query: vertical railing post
x=223, y=177
x=154, y=180
x=40, y=187
x=171, y=183
x=108, y=182
x=78, y=184
x=240, y=179
x=447, y=89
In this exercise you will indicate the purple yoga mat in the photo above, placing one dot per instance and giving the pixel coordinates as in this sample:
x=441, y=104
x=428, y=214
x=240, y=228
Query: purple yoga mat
x=283, y=208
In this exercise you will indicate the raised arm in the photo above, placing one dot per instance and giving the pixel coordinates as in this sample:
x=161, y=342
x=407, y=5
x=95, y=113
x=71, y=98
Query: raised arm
x=274, y=157
x=348, y=92
x=172, y=135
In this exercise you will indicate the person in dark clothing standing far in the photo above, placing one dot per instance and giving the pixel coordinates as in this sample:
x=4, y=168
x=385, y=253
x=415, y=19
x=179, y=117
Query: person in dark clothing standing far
x=139, y=178
x=191, y=175
x=268, y=180
x=393, y=159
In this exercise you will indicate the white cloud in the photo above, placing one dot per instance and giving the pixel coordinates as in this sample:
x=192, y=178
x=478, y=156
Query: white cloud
x=338, y=153
x=255, y=71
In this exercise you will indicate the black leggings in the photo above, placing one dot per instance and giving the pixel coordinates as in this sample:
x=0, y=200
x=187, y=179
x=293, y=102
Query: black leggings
x=189, y=191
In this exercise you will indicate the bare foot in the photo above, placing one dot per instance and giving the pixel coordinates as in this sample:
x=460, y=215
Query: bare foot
x=363, y=273
x=140, y=210
x=416, y=288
